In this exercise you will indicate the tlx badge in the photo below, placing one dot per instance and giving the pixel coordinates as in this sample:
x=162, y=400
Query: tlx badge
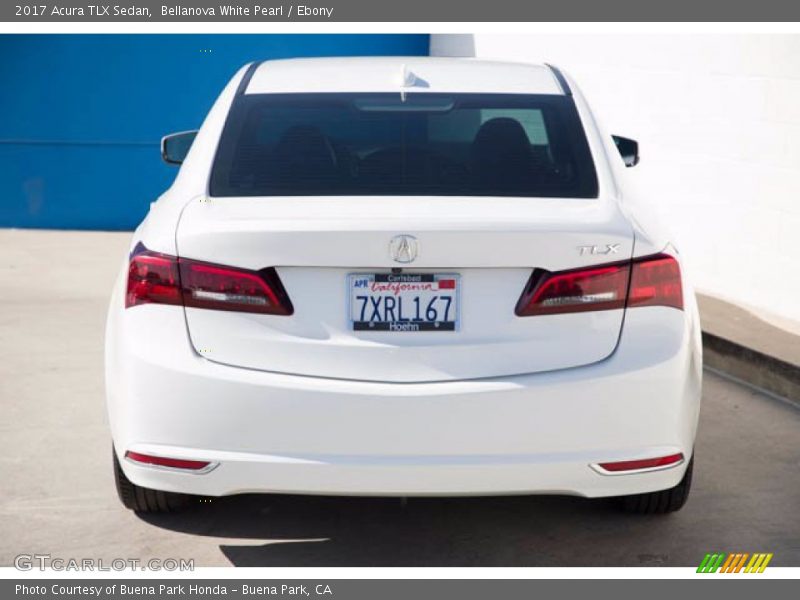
x=604, y=249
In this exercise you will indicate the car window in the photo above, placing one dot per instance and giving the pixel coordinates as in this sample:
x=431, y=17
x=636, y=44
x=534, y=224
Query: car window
x=420, y=144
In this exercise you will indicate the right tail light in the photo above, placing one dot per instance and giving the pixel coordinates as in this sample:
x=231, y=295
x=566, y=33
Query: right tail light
x=648, y=281
x=656, y=281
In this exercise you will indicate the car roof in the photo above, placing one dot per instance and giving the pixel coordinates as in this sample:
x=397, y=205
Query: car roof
x=412, y=74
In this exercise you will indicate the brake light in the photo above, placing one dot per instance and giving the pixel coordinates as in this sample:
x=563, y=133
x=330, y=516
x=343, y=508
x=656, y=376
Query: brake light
x=152, y=277
x=224, y=288
x=163, y=279
x=656, y=281
x=577, y=290
x=647, y=281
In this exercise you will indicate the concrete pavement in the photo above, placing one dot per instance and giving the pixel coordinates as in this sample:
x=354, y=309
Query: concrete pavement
x=739, y=343
x=57, y=494
x=743, y=327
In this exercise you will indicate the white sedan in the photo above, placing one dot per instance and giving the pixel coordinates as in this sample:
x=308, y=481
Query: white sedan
x=402, y=277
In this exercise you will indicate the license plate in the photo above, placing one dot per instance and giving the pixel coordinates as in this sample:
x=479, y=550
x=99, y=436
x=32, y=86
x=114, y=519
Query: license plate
x=404, y=301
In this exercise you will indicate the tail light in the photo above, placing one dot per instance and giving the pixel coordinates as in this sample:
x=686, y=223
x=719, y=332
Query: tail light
x=656, y=281
x=153, y=277
x=578, y=290
x=224, y=288
x=648, y=281
x=163, y=279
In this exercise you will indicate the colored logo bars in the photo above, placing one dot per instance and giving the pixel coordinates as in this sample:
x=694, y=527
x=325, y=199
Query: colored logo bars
x=734, y=563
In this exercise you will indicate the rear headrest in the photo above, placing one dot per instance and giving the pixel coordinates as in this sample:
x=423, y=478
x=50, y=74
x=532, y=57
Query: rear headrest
x=501, y=139
x=501, y=157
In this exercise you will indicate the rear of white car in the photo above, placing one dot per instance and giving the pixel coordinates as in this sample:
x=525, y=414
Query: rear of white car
x=402, y=277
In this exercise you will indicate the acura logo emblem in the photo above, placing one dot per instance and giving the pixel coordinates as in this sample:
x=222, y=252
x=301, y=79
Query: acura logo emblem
x=403, y=248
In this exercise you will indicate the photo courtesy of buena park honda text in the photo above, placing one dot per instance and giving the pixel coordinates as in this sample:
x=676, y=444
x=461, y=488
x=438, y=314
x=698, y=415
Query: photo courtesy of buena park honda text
x=353, y=299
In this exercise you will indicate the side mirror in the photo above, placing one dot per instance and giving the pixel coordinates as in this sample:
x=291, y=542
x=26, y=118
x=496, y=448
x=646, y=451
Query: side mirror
x=628, y=148
x=175, y=146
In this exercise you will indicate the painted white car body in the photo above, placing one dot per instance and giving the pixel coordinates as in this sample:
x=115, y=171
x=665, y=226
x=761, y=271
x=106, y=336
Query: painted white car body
x=303, y=404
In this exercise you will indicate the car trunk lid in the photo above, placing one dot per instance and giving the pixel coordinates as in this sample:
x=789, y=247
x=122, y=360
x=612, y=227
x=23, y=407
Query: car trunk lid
x=492, y=245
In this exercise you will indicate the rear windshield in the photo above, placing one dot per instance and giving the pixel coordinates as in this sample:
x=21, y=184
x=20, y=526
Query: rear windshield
x=422, y=144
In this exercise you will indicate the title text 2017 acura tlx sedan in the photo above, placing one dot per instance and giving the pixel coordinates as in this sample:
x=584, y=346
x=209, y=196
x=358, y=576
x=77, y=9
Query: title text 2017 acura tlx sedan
x=402, y=277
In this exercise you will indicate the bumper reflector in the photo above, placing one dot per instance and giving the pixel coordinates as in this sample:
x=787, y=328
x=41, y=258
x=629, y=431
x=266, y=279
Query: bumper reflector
x=645, y=463
x=161, y=461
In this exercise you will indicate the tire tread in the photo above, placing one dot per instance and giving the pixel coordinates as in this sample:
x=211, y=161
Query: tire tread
x=144, y=500
x=663, y=501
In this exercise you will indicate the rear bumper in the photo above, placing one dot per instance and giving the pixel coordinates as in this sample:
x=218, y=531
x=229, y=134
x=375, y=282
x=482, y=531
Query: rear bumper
x=238, y=472
x=269, y=432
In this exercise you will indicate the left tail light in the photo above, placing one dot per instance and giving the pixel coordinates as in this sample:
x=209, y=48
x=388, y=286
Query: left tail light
x=153, y=278
x=163, y=279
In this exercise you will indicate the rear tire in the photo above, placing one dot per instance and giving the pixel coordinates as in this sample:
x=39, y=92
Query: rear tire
x=661, y=502
x=145, y=500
